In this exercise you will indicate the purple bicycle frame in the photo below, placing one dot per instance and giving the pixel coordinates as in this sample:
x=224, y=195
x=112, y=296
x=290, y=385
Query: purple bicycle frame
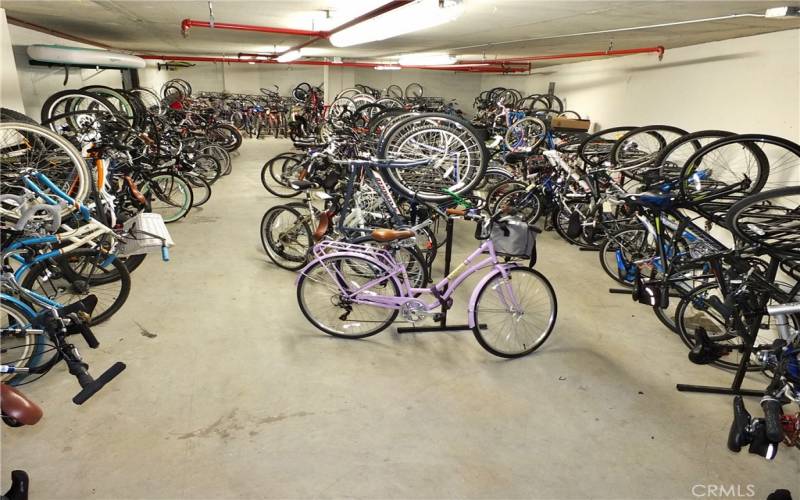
x=397, y=272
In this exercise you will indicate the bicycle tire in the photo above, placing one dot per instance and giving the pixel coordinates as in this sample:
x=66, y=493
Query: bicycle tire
x=183, y=203
x=81, y=282
x=369, y=267
x=275, y=247
x=405, y=140
x=686, y=333
x=769, y=226
x=481, y=326
x=689, y=186
x=75, y=178
x=21, y=350
x=201, y=189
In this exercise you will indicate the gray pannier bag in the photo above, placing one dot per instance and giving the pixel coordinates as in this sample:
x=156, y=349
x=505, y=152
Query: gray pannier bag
x=513, y=237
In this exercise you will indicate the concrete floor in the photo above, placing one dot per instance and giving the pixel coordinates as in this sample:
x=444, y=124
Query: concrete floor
x=230, y=393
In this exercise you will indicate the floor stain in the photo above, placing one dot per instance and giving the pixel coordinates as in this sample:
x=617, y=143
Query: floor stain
x=282, y=416
x=219, y=428
x=202, y=219
x=144, y=332
x=227, y=426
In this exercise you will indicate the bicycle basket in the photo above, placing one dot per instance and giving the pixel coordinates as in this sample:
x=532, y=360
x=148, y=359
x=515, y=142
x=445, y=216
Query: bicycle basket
x=144, y=233
x=513, y=237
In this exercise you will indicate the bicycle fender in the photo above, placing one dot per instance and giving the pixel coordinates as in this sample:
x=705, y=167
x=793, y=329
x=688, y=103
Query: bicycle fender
x=473, y=300
x=313, y=261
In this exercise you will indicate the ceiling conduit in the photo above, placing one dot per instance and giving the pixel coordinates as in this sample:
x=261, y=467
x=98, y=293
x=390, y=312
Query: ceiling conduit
x=505, y=65
x=476, y=67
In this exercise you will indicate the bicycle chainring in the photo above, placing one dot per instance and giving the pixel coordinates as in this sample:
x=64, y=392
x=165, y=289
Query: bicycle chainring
x=414, y=310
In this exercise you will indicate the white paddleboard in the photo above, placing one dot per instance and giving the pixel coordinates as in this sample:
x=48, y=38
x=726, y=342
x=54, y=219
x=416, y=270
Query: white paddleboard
x=60, y=54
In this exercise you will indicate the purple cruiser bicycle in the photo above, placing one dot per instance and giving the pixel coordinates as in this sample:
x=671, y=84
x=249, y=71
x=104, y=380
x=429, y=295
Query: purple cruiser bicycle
x=354, y=291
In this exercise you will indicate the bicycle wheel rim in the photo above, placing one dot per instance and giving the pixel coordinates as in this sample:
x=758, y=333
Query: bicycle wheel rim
x=23, y=146
x=171, y=196
x=286, y=237
x=321, y=300
x=17, y=351
x=514, y=316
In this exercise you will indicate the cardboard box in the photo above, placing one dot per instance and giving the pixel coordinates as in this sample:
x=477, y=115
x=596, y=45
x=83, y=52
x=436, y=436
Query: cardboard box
x=570, y=124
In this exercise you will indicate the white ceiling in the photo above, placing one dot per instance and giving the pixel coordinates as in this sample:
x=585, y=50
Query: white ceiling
x=154, y=26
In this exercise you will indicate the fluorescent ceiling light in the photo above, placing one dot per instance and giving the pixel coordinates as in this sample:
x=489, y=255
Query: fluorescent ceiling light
x=289, y=56
x=420, y=15
x=387, y=68
x=426, y=60
x=783, y=12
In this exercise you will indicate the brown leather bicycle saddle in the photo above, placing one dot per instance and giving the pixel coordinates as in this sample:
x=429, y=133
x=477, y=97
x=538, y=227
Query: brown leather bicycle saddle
x=384, y=235
x=16, y=406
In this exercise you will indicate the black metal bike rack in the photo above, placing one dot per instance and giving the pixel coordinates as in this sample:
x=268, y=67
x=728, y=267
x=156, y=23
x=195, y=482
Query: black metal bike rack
x=442, y=326
x=736, y=386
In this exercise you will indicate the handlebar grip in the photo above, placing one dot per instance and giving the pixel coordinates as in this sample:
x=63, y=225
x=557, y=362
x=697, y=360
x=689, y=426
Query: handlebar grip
x=88, y=336
x=165, y=254
x=738, y=436
x=772, y=419
x=93, y=387
x=455, y=211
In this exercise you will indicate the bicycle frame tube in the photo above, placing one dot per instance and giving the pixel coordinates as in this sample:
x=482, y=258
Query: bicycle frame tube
x=22, y=305
x=57, y=191
x=383, y=191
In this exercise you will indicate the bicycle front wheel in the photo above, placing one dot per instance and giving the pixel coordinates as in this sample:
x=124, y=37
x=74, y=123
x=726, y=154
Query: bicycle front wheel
x=513, y=316
x=72, y=277
x=323, y=293
x=201, y=188
x=171, y=196
x=15, y=349
x=286, y=236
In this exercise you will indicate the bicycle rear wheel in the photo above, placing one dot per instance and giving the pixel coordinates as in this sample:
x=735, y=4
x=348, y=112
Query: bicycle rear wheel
x=278, y=172
x=73, y=276
x=26, y=146
x=459, y=157
x=287, y=237
x=769, y=220
x=700, y=308
x=171, y=196
x=323, y=296
x=514, y=316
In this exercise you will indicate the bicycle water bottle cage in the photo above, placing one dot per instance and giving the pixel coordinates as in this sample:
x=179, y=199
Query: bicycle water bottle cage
x=705, y=351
